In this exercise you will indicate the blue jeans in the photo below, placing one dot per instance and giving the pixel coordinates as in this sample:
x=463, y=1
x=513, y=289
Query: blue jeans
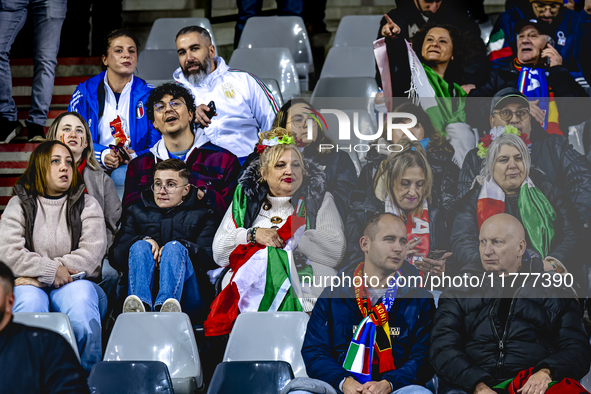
x=414, y=389
x=83, y=301
x=48, y=17
x=118, y=177
x=177, y=277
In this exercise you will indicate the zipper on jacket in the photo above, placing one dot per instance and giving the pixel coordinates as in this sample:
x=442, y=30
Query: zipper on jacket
x=494, y=329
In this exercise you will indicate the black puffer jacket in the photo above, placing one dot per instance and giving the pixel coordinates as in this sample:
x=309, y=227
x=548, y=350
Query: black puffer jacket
x=567, y=227
x=544, y=329
x=445, y=175
x=192, y=223
x=571, y=111
x=552, y=154
x=362, y=211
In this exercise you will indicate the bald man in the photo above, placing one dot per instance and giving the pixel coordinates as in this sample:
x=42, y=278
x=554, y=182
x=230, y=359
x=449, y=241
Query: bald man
x=487, y=333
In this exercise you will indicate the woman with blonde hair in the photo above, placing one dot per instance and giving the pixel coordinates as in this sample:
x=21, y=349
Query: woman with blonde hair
x=282, y=235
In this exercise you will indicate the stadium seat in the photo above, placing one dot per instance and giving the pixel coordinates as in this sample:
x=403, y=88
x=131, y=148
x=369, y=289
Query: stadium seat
x=270, y=336
x=130, y=377
x=163, y=32
x=269, y=63
x=156, y=66
x=349, y=62
x=281, y=32
x=166, y=337
x=357, y=31
x=250, y=377
x=275, y=89
x=346, y=87
x=54, y=321
x=586, y=381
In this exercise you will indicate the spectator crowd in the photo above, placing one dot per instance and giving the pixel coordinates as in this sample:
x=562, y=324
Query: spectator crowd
x=203, y=196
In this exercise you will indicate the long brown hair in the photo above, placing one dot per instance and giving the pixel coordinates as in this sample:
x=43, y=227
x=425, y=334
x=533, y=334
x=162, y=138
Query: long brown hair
x=34, y=179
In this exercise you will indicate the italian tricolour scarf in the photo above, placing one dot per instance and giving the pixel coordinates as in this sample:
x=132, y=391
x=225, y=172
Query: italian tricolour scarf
x=536, y=212
x=264, y=278
x=372, y=336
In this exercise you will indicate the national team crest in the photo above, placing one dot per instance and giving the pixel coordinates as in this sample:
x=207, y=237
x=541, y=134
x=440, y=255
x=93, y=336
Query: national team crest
x=139, y=110
x=229, y=90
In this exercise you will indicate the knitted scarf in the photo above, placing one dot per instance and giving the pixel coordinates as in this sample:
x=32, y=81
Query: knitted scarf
x=537, y=214
x=415, y=226
x=372, y=334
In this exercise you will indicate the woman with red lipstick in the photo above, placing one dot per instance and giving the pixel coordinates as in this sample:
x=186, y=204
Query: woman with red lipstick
x=276, y=191
x=508, y=184
x=113, y=104
x=51, y=231
x=403, y=186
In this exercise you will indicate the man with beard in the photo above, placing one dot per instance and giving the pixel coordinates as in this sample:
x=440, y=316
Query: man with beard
x=244, y=104
x=34, y=360
x=410, y=15
x=562, y=164
x=563, y=24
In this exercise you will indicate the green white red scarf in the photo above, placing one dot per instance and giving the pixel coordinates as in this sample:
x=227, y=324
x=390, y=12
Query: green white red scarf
x=372, y=334
x=537, y=214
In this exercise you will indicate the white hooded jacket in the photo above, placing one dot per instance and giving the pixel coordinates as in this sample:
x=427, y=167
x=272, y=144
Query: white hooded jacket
x=244, y=106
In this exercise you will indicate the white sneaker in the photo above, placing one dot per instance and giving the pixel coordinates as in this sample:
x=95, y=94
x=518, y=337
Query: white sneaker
x=133, y=304
x=171, y=305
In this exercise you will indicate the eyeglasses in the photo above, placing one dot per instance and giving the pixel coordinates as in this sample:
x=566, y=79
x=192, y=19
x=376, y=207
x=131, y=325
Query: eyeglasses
x=169, y=189
x=174, y=104
x=542, y=6
x=506, y=114
x=299, y=120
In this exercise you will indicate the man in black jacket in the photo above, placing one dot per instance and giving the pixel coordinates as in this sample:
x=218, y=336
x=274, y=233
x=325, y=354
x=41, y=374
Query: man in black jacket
x=552, y=154
x=34, y=360
x=486, y=334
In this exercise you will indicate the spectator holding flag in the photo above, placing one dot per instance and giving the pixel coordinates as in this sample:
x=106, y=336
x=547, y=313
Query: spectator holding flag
x=280, y=208
x=373, y=338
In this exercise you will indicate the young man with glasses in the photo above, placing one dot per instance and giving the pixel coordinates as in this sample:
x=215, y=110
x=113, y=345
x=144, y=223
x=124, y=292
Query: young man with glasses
x=171, y=231
x=214, y=170
x=562, y=164
x=562, y=28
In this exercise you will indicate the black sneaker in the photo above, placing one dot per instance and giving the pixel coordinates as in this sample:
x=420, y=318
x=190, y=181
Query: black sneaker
x=36, y=132
x=9, y=129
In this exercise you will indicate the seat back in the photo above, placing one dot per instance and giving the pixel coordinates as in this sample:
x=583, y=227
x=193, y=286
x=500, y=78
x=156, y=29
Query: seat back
x=165, y=337
x=345, y=87
x=54, y=321
x=164, y=30
x=269, y=63
x=130, y=377
x=275, y=89
x=276, y=336
x=250, y=377
x=357, y=31
x=157, y=65
x=279, y=32
x=349, y=62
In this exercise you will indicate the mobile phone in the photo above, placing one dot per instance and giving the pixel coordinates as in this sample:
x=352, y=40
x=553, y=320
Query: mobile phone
x=210, y=113
x=79, y=275
x=553, y=44
x=122, y=151
x=436, y=254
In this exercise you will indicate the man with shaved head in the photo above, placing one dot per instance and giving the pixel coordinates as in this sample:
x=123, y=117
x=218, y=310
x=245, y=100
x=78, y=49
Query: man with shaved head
x=498, y=328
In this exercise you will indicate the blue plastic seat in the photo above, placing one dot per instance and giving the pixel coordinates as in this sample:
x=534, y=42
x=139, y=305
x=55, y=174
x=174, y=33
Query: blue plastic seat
x=250, y=377
x=130, y=377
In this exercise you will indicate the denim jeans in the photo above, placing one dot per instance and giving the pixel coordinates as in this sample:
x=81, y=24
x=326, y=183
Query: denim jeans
x=83, y=301
x=118, y=177
x=177, y=277
x=48, y=17
x=414, y=389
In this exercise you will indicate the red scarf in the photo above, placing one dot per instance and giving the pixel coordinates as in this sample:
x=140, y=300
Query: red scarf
x=415, y=226
x=81, y=168
x=565, y=386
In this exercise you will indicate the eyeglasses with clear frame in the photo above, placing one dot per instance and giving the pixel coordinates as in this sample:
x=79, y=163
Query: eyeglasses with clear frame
x=174, y=105
x=169, y=189
x=506, y=114
x=299, y=121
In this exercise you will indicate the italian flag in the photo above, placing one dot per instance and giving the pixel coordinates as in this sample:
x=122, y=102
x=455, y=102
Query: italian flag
x=360, y=353
x=496, y=46
x=264, y=278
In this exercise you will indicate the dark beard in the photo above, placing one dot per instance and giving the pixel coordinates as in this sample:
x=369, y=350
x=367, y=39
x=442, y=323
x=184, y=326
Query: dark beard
x=196, y=77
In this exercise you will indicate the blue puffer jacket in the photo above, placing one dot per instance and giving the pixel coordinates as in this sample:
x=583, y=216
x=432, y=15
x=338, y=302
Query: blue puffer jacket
x=89, y=101
x=336, y=315
x=503, y=39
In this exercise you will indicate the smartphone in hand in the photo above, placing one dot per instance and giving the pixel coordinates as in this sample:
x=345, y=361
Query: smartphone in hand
x=436, y=254
x=79, y=275
x=210, y=113
x=121, y=151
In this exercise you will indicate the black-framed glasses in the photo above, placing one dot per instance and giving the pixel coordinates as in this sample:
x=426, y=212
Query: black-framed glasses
x=169, y=189
x=506, y=114
x=174, y=104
